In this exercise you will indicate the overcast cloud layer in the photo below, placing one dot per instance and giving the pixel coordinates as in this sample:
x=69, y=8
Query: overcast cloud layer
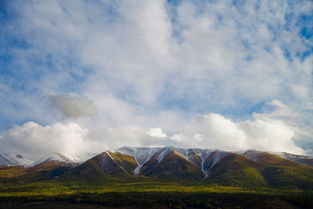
x=85, y=76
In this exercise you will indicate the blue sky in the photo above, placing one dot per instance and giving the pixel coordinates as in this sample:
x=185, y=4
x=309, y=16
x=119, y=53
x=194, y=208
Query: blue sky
x=117, y=69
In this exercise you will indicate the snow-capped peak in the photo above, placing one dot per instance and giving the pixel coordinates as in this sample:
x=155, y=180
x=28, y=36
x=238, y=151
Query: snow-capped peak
x=143, y=154
x=140, y=154
x=206, y=159
x=13, y=160
x=57, y=157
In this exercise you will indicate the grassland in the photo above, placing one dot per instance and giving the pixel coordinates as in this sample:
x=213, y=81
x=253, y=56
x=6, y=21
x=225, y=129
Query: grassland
x=145, y=193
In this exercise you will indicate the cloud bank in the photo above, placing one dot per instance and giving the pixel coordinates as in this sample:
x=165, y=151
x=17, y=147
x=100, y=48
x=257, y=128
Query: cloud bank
x=206, y=131
x=39, y=141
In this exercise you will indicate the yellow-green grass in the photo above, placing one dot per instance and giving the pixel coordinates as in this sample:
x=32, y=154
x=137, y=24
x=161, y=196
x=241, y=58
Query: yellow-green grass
x=50, y=188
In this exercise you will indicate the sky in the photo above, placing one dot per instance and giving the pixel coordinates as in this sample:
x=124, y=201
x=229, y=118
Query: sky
x=81, y=77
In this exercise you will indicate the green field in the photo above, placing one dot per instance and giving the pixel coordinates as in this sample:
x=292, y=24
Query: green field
x=147, y=193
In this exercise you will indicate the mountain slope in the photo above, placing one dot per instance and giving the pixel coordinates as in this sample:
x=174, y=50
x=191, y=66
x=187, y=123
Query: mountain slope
x=169, y=163
x=7, y=172
x=280, y=172
x=45, y=171
x=268, y=158
x=103, y=167
x=140, y=154
x=301, y=159
x=47, y=168
x=235, y=170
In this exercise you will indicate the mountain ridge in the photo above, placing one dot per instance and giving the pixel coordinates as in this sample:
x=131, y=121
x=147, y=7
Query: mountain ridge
x=204, y=153
x=142, y=154
x=206, y=166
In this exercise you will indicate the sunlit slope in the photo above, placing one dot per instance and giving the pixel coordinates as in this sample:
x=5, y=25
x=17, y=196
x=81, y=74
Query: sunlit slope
x=280, y=172
x=171, y=164
x=263, y=169
x=102, y=168
x=236, y=170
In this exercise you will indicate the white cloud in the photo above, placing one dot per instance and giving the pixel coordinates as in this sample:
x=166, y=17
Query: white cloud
x=134, y=53
x=270, y=135
x=221, y=132
x=217, y=132
x=208, y=131
x=39, y=141
x=156, y=132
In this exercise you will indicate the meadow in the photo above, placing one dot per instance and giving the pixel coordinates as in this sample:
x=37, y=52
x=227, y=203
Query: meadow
x=147, y=193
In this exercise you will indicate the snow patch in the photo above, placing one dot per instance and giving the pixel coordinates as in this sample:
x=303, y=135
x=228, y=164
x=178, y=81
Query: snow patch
x=144, y=154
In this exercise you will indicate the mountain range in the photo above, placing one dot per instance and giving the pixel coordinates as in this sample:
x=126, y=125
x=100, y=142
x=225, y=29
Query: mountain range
x=248, y=168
